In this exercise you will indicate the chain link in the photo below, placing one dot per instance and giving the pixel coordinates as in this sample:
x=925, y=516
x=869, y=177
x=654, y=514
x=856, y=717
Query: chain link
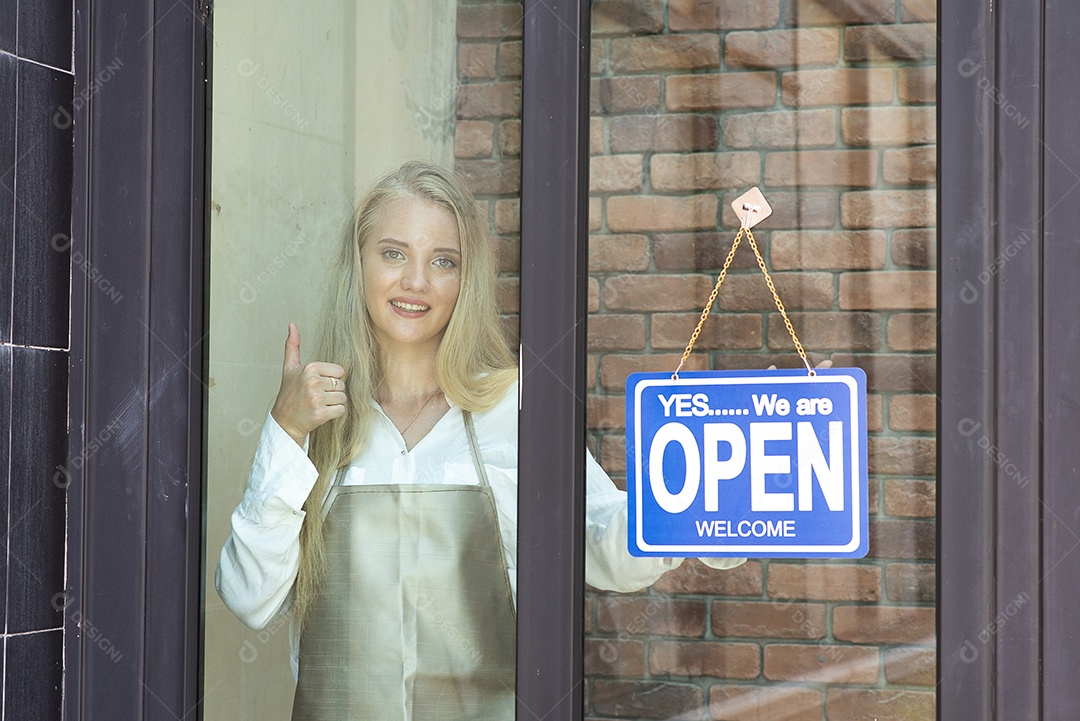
x=716, y=291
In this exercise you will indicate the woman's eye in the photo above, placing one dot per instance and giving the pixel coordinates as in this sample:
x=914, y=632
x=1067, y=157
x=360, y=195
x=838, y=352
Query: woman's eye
x=391, y=254
x=445, y=263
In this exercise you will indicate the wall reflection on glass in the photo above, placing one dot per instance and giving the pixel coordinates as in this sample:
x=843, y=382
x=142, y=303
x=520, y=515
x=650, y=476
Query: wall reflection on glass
x=308, y=110
x=828, y=106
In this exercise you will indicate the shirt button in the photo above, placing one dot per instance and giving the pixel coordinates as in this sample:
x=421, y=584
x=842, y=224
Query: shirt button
x=403, y=452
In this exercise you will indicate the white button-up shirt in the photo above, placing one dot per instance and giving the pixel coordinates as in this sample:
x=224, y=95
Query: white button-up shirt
x=259, y=561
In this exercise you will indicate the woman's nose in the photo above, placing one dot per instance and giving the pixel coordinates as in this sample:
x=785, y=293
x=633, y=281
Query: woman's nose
x=415, y=277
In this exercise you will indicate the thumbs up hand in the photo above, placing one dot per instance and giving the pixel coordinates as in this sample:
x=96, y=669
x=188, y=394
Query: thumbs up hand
x=310, y=395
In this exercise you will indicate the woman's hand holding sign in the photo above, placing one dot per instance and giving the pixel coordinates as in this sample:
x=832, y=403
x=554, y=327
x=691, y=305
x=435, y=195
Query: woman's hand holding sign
x=310, y=394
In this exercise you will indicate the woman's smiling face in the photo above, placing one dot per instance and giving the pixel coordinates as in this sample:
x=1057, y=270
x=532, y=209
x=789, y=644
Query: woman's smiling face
x=412, y=273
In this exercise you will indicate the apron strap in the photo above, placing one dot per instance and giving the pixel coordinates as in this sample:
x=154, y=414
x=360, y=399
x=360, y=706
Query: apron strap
x=474, y=448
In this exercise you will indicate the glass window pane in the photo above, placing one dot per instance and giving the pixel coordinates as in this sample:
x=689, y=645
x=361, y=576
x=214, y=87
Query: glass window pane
x=309, y=111
x=828, y=107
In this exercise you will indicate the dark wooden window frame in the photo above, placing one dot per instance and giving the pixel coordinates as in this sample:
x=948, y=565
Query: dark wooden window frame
x=135, y=562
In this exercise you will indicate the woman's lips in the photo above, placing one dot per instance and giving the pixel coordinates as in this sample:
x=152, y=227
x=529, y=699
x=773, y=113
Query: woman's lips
x=410, y=307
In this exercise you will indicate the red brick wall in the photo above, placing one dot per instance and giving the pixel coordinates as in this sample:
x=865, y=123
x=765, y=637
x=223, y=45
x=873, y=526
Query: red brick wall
x=828, y=106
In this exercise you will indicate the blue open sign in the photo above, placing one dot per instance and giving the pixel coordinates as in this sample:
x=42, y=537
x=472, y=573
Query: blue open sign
x=769, y=464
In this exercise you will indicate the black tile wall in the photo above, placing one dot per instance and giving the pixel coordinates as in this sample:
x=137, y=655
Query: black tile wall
x=8, y=26
x=35, y=279
x=33, y=675
x=45, y=32
x=36, y=499
x=8, y=78
x=43, y=145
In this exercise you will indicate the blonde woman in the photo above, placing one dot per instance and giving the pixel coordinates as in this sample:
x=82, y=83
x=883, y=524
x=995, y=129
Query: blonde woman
x=381, y=508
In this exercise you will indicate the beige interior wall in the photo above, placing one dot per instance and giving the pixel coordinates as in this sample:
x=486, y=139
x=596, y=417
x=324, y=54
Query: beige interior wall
x=310, y=104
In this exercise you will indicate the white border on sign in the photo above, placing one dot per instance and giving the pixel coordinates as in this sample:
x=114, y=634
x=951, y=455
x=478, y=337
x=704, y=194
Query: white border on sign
x=856, y=499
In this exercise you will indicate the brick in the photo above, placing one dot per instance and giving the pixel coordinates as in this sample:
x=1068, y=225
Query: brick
x=508, y=254
x=888, y=289
x=910, y=498
x=888, y=126
x=665, y=52
x=616, y=331
x=704, y=171
x=915, y=248
x=656, y=292
x=875, y=421
x=596, y=136
x=649, y=615
x=827, y=331
x=759, y=619
x=888, y=208
x=844, y=12
x=697, y=251
x=748, y=291
x=721, y=91
x=722, y=14
x=662, y=133
x=802, y=209
x=780, y=129
x=507, y=295
x=598, y=59
x=473, y=139
x=843, y=704
x=913, y=413
x=917, y=85
x=837, y=86
x=924, y=11
x=695, y=577
x=476, y=60
x=614, y=368
x=647, y=212
x=911, y=42
x=764, y=703
x=902, y=456
x=510, y=138
x=647, y=699
x=911, y=666
x=606, y=412
x=910, y=166
x=627, y=17
x=721, y=332
x=592, y=370
x=613, y=455
x=624, y=94
x=821, y=167
x=488, y=21
x=902, y=539
x=821, y=582
x=491, y=177
x=873, y=494
x=801, y=47
x=594, y=295
x=614, y=657
x=507, y=215
x=615, y=173
x=893, y=372
x=827, y=250
x=704, y=658
x=759, y=360
x=509, y=63
x=884, y=624
x=618, y=253
x=588, y=614
x=912, y=331
x=821, y=663
x=489, y=100
x=910, y=582
x=596, y=213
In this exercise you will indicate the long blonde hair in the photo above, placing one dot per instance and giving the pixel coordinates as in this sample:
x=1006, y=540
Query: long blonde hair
x=474, y=365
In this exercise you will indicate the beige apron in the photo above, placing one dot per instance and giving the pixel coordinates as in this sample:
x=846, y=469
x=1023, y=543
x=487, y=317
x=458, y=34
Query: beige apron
x=414, y=618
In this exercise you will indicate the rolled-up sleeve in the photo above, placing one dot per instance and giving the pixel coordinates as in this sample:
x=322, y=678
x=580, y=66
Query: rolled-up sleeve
x=260, y=558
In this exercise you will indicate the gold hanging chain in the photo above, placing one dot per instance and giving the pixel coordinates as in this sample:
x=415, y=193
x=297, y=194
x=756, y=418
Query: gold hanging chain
x=744, y=230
